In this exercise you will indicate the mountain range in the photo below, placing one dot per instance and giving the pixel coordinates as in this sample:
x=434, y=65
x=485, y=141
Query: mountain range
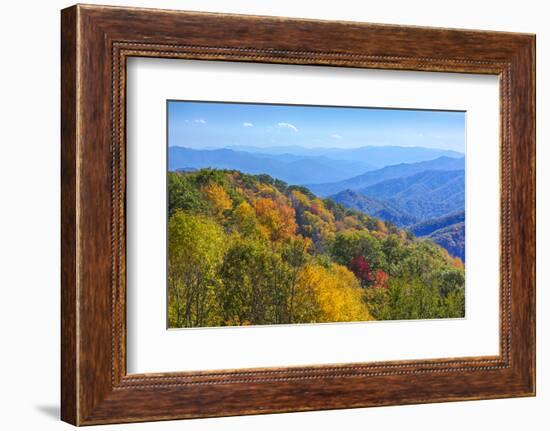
x=429, y=203
x=291, y=168
x=401, y=170
x=407, y=200
x=301, y=165
x=424, y=195
x=377, y=156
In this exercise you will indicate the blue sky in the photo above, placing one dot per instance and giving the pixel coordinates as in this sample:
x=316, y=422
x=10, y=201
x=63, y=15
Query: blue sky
x=216, y=125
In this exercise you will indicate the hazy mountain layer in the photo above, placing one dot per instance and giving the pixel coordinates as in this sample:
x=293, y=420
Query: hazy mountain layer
x=289, y=168
x=378, y=156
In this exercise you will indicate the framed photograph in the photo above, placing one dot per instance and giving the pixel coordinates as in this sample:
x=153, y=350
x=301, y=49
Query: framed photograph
x=265, y=215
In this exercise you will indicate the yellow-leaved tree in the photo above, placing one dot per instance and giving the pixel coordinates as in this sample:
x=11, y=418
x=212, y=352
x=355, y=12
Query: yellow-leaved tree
x=334, y=293
x=218, y=198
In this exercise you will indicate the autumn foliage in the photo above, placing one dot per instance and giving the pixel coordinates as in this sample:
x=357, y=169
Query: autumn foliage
x=251, y=250
x=277, y=219
x=360, y=267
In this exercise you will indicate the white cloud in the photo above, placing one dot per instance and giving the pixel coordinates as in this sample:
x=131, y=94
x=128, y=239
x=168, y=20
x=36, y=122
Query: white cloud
x=247, y=124
x=335, y=136
x=201, y=121
x=288, y=125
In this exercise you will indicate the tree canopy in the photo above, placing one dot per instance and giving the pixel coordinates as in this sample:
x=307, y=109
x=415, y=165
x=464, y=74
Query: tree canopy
x=250, y=250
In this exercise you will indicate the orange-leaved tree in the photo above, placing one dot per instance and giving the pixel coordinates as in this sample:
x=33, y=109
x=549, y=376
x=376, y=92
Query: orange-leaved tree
x=277, y=219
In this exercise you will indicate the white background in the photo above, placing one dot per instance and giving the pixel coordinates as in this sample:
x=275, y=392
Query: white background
x=29, y=217
x=151, y=348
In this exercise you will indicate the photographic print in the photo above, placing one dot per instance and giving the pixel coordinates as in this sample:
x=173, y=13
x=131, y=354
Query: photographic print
x=298, y=214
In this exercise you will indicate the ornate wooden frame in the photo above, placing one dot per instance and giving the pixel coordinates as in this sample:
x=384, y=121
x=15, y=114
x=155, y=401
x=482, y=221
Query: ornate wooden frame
x=96, y=41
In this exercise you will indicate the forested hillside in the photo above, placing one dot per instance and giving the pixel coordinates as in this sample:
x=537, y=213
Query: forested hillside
x=452, y=238
x=251, y=250
x=447, y=231
x=431, y=225
x=424, y=195
x=381, y=209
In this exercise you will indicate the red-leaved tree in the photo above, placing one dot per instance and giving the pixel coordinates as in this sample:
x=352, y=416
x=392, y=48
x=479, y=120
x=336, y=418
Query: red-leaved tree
x=361, y=268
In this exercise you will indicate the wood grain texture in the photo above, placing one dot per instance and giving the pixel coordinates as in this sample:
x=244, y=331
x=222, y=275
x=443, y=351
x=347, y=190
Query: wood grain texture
x=69, y=366
x=96, y=41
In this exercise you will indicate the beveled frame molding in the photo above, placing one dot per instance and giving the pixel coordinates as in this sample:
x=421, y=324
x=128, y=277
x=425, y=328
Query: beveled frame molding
x=96, y=41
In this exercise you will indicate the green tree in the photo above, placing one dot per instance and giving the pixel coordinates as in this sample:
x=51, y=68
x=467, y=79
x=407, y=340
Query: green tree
x=295, y=254
x=411, y=299
x=394, y=253
x=195, y=252
x=245, y=221
x=255, y=284
x=183, y=195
